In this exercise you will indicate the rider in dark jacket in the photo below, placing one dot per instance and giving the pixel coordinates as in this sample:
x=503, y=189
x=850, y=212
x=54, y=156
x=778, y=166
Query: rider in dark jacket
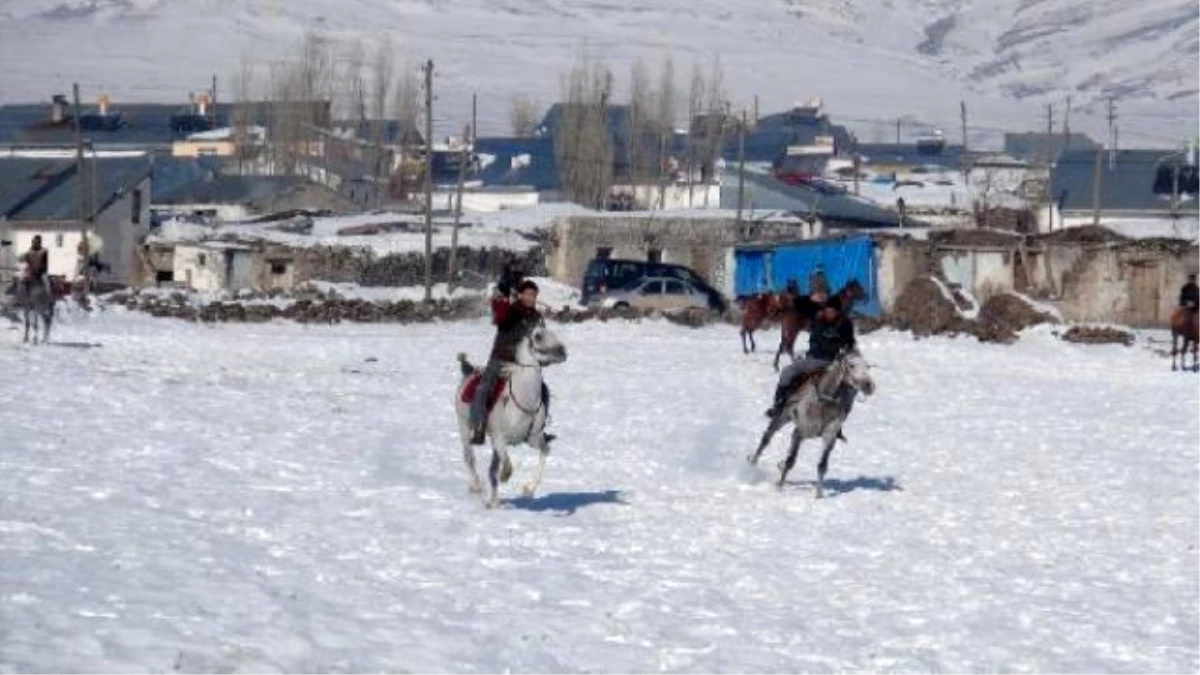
x=1189, y=294
x=830, y=332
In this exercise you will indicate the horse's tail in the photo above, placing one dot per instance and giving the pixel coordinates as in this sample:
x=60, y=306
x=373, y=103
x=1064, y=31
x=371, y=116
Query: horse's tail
x=464, y=365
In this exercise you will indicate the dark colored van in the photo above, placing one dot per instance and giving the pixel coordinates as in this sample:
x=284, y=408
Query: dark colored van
x=603, y=275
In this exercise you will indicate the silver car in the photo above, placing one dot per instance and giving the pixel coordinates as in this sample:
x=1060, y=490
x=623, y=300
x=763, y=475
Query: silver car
x=661, y=293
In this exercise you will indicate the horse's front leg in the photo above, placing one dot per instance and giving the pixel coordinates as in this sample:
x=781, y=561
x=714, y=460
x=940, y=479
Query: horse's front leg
x=1174, y=351
x=543, y=449
x=499, y=471
x=786, y=465
x=830, y=440
x=745, y=347
x=26, y=329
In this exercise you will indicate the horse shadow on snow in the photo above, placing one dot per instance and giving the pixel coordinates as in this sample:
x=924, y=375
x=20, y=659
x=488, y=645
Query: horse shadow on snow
x=566, y=503
x=835, y=487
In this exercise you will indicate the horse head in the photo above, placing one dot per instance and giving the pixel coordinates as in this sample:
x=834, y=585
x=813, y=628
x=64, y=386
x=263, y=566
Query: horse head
x=855, y=372
x=852, y=292
x=541, y=347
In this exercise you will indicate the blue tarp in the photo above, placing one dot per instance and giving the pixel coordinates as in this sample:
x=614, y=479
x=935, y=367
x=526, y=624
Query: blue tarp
x=770, y=268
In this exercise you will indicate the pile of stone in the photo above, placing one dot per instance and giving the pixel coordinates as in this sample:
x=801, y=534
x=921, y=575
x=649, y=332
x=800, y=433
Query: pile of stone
x=1096, y=335
x=924, y=309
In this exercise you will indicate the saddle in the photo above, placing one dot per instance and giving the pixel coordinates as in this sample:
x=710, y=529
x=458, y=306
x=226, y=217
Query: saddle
x=472, y=385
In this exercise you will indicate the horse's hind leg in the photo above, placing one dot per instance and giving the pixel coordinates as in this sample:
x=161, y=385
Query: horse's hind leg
x=772, y=427
x=473, y=485
x=1174, y=352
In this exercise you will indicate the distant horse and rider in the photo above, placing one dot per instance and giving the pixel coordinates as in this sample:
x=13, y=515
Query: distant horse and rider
x=36, y=292
x=1185, y=326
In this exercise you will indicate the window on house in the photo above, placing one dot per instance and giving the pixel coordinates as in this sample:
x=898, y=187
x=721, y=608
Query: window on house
x=201, y=259
x=278, y=267
x=164, y=276
x=135, y=214
x=603, y=252
x=654, y=255
x=58, y=240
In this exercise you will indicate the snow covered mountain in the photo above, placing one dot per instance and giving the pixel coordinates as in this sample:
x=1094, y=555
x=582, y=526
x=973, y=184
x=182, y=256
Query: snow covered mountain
x=873, y=60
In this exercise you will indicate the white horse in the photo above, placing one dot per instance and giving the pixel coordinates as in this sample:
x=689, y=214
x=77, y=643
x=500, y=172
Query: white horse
x=519, y=415
x=818, y=411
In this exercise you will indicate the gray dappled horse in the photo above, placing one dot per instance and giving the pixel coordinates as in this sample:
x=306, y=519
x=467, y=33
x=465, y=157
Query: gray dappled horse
x=36, y=301
x=519, y=415
x=817, y=409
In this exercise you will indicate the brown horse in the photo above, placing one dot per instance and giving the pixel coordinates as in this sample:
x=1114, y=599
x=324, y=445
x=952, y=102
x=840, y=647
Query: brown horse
x=760, y=309
x=793, y=321
x=1184, y=328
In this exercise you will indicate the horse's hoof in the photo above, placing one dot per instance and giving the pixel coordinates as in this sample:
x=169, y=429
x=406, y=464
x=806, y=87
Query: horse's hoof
x=474, y=488
x=528, y=490
x=751, y=459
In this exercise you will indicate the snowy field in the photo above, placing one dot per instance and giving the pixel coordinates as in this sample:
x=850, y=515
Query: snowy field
x=179, y=497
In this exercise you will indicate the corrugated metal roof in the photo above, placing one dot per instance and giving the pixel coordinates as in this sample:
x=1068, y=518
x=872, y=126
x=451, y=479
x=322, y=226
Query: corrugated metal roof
x=231, y=189
x=48, y=189
x=950, y=156
x=1035, y=146
x=764, y=192
x=537, y=166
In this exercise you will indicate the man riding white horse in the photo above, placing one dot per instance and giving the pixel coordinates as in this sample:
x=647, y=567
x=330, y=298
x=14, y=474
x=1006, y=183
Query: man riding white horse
x=513, y=322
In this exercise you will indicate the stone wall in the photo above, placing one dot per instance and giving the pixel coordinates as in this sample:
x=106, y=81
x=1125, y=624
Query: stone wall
x=702, y=244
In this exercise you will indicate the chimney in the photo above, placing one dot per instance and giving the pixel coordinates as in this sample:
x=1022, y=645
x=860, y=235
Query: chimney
x=58, y=109
x=103, y=102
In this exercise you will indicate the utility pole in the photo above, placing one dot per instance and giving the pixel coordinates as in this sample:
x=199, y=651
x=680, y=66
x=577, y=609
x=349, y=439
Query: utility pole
x=741, y=169
x=1112, y=133
x=84, y=215
x=962, y=105
x=1049, y=144
x=429, y=180
x=756, y=110
x=463, y=158
x=1067, y=126
x=214, y=102
x=474, y=118
x=1175, y=189
x=897, y=132
x=1096, y=186
x=857, y=167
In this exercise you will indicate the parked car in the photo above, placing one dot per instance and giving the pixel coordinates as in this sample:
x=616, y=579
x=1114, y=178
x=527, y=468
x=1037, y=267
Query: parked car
x=661, y=293
x=603, y=275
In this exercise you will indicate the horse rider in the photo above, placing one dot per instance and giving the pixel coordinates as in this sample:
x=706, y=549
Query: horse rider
x=1189, y=294
x=37, y=264
x=817, y=283
x=513, y=320
x=830, y=332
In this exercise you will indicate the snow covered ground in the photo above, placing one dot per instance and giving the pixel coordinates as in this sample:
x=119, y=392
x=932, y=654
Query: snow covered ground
x=240, y=498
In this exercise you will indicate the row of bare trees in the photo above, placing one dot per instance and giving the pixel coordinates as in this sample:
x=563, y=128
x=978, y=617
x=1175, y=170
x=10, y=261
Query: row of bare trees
x=365, y=84
x=586, y=138
x=300, y=98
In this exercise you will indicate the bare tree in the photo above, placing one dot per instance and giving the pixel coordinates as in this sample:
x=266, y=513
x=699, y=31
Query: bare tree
x=582, y=142
x=696, y=99
x=641, y=126
x=354, y=89
x=666, y=100
x=382, y=72
x=522, y=116
x=245, y=113
x=408, y=111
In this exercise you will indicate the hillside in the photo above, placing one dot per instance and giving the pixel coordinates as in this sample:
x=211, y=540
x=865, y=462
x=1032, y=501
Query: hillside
x=872, y=60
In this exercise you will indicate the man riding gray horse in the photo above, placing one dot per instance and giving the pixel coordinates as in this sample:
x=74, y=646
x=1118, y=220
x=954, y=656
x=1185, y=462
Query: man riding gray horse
x=830, y=332
x=34, y=293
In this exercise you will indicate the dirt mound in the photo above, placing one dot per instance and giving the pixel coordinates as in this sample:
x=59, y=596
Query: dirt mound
x=1099, y=335
x=1006, y=314
x=924, y=309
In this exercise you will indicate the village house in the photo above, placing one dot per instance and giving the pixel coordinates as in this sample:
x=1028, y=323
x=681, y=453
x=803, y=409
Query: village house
x=1140, y=191
x=44, y=194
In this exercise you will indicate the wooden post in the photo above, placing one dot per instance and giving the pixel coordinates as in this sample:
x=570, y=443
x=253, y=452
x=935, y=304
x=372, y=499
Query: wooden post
x=464, y=157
